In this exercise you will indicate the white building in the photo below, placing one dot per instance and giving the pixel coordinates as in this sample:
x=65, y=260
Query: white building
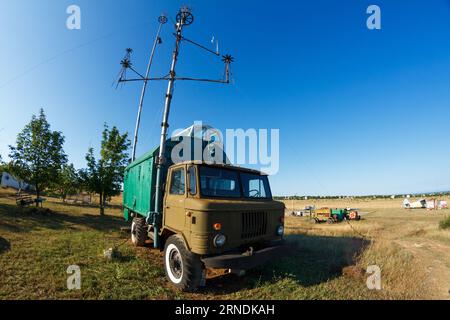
x=9, y=181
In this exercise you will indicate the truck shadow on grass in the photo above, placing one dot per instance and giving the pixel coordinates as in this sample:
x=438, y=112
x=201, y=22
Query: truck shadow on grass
x=19, y=220
x=4, y=245
x=311, y=260
x=85, y=205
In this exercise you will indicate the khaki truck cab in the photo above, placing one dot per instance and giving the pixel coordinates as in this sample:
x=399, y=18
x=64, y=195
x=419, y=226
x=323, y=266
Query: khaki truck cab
x=214, y=216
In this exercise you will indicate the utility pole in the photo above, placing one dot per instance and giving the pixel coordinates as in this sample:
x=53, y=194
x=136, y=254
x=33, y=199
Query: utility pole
x=184, y=18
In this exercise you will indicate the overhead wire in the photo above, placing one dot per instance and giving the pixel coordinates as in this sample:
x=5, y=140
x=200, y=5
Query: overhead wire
x=63, y=53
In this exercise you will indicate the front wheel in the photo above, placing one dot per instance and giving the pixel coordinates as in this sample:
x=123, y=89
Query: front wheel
x=184, y=269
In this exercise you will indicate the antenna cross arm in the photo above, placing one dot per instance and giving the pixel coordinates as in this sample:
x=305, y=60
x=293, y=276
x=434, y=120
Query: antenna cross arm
x=198, y=45
x=176, y=79
x=226, y=81
x=144, y=79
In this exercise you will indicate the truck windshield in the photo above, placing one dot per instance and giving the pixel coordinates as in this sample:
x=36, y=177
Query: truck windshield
x=255, y=186
x=215, y=182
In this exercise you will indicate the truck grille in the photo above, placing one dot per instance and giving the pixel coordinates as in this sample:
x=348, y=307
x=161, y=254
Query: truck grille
x=254, y=224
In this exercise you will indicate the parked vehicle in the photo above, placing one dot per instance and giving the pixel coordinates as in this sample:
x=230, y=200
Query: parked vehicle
x=332, y=216
x=338, y=215
x=353, y=214
x=322, y=215
x=213, y=216
x=307, y=211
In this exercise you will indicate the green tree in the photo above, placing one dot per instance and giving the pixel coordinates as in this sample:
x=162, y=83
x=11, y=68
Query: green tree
x=68, y=182
x=3, y=166
x=38, y=155
x=105, y=175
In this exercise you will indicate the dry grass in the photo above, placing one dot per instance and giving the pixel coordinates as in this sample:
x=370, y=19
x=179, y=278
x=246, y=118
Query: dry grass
x=408, y=245
x=326, y=262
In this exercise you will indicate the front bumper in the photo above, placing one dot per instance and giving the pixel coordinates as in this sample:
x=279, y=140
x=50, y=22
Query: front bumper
x=247, y=260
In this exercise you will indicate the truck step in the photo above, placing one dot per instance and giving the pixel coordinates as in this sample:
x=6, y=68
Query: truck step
x=151, y=233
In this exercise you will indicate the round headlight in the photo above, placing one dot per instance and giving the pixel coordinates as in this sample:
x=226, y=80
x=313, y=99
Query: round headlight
x=219, y=240
x=280, y=231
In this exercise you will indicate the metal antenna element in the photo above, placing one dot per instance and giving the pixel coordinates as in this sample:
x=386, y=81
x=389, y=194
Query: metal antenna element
x=125, y=63
x=184, y=18
x=162, y=20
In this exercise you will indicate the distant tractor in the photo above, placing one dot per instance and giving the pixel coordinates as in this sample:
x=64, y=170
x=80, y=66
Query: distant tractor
x=332, y=216
x=353, y=214
x=338, y=215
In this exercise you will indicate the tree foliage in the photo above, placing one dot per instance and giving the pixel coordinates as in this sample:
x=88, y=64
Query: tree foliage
x=68, y=182
x=104, y=176
x=2, y=165
x=38, y=155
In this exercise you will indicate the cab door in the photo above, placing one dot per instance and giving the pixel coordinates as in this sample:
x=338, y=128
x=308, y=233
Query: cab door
x=174, y=202
x=191, y=192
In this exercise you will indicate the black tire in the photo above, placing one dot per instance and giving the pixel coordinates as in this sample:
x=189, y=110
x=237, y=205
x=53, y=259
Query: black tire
x=139, y=233
x=183, y=268
x=330, y=221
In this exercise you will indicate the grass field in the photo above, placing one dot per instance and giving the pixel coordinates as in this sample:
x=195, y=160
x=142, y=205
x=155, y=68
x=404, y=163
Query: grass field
x=326, y=262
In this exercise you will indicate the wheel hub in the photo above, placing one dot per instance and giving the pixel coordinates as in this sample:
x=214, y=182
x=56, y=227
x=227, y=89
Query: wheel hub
x=176, y=265
x=133, y=233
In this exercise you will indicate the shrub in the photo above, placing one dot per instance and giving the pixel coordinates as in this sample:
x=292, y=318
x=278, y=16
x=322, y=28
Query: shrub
x=445, y=224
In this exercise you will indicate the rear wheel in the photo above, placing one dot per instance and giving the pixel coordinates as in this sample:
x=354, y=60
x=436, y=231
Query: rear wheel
x=139, y=232
x=184, y=269
x=330, y=221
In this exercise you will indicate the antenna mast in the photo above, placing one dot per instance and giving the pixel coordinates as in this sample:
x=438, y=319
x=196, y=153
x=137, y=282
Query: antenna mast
x=184, y=18
x=162, y=20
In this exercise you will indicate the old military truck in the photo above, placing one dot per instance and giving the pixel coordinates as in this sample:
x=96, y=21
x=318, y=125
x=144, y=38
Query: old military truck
x=213, y=216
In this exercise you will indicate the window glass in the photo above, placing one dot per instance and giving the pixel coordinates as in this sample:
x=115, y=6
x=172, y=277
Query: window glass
x=177, y=185
x=192, y=181
x=255, y=186
x=216, y=182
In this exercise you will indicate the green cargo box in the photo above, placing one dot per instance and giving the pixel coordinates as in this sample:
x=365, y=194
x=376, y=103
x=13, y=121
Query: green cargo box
x=140, y=178
x=140, y=183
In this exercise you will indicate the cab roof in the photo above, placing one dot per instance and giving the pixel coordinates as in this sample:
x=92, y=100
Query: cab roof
x=221, y=166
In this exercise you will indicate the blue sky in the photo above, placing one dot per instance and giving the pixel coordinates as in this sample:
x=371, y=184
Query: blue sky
x=359, y=111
